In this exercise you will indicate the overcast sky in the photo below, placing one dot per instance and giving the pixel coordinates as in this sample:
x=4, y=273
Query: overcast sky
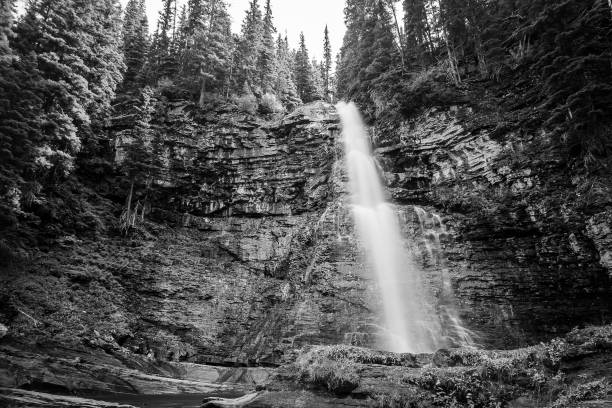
x=290, y=16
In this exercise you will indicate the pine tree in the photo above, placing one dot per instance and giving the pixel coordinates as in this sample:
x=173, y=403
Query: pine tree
x=135, y=43
x=267, y=56
x=58, y=75
x=326, y=64
x=304, y=74
x=317, y=80
x=368, y=50
x=346, y=70
x=7, y=10
x=196, y=16
x=249, y=48
x=369, y=56
x=417, y=32
x=17, y=122
x=140, y=162
x=75, y=46
x=163, y=57
x=216, y=51
x=191, y=33
x=284, y=85
x=180, y=40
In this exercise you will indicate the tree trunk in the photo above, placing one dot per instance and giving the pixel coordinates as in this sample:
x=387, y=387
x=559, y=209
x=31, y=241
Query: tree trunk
x=202, y=93
x=213, y=7
x=452, y=60
x=400, y=43
x=429, y=39
x=129, y=201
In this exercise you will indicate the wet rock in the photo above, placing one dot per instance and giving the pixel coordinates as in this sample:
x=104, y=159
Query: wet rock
x=599, y=229
x=66, y=371
x=523, y=260
x=443, y=358
x=22, y=398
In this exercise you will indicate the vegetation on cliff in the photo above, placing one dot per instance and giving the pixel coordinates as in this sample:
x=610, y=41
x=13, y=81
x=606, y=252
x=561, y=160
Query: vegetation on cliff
x=551, y=63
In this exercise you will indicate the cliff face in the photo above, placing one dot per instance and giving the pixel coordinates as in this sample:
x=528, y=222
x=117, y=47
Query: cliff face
x=526, y=244
x=249, y=251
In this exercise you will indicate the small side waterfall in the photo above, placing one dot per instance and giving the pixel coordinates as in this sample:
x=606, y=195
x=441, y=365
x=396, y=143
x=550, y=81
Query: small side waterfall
x=410, y=323
x=433, y=229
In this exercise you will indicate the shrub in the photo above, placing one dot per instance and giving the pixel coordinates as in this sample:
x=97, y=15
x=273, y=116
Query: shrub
x=339, y=376
x=246, y=103
x=270, y=104
x=593, y=390
x=364, y=356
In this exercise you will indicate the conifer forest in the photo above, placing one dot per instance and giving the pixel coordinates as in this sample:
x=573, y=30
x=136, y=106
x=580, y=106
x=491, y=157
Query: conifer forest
x=202, y=206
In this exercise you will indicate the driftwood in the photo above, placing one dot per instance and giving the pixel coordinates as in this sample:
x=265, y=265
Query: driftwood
x=213, y=402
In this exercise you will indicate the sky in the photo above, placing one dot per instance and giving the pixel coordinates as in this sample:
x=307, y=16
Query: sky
x=290, y=17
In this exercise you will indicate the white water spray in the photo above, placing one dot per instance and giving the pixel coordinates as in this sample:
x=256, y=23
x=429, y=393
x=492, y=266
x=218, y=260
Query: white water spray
x=410, y=324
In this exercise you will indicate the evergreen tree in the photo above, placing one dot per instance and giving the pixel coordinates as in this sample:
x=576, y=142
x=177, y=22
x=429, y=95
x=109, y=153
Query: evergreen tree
x=304, y=75
x=284, y=85
x=73, y=48
x=196, y=16
x=417, y=32
x=17, y=122
x=58, y=73
x=454, y=25
x=249, y=48
x=368, y=51
x=135, y=42
x=317, y=80
x=191, y=33
x=216, y=51
x=140, y=162
x=7, y=10
x=346, y=71
x=181, y=37
x=267, y=57
x=327, y=64
x=163, y=58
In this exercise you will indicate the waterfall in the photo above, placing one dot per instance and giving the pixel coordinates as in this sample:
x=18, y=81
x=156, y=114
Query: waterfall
x=410, y=323
x=432, y=229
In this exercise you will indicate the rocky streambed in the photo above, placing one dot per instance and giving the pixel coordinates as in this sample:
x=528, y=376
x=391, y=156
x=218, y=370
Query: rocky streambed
x=573, y=371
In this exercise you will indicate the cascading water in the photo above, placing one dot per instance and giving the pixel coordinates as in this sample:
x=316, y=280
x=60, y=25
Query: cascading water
x=411, y=325
x=432, y=228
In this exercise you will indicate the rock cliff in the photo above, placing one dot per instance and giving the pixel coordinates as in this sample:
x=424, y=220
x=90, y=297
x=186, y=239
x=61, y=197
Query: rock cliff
x=248, y=253
x=526, y=242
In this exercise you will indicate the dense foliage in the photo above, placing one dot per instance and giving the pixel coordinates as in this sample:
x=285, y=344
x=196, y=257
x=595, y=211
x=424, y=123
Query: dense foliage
x=58, y=73
x=545, y=375
x=554, y=56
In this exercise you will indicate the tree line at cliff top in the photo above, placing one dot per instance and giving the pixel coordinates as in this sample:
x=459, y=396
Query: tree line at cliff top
x=194, y=51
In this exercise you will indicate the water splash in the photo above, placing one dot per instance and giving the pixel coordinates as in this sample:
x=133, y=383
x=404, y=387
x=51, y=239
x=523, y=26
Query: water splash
x=433, y=229
x=410, y=323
